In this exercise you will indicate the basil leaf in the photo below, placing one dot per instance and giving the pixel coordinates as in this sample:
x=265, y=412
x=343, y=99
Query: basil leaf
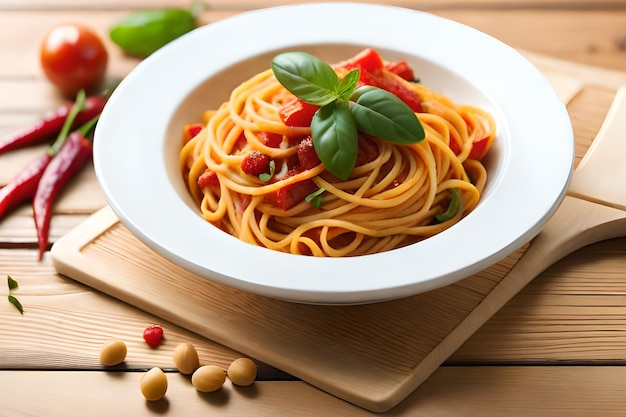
x=13, y=285
x=16, y=303
x=265, y=177
x=348, y=84
x=143, y=32
x=335, y=138
x=379, y=113
x=315, y=198
x=307, y=77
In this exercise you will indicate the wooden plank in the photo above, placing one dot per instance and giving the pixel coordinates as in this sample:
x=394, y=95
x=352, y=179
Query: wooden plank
x=574, y=312
x=250, y=4
x=590, y=37
x=494, y=391
x=546, y=322
x=71, y=322
x=18, y=229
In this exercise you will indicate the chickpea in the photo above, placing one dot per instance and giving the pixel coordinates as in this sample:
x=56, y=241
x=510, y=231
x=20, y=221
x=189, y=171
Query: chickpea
x=208, y=378
x=186, y=358
x=113, y=353
x=242, y=372
x=153, y=384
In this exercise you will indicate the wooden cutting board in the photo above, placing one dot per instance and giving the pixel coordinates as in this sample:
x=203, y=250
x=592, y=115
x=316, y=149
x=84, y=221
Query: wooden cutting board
x=370, y=355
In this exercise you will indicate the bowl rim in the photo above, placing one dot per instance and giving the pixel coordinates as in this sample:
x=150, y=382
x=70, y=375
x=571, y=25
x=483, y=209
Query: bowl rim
x=518, y=88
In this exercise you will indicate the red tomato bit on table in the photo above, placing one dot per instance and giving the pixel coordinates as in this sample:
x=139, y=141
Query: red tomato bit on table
x=153, y=335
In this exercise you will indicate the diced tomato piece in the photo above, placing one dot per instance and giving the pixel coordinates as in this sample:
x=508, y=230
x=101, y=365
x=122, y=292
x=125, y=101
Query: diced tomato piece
x=291, y=195
x=482, y=139
x=371, y=64
x=208, y=179
x=191, y=130
x=272, y=140
x=255, y=163
x=297, y=113
x=367, y=60
x=366, y=78
x=410, y=97
x=402, y=69
x=307, y=157
x=480, y=148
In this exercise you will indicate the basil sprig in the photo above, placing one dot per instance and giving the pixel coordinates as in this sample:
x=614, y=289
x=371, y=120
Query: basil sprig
x=344, y=110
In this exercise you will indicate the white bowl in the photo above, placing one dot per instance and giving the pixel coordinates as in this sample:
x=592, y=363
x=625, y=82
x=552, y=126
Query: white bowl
x=137, y=143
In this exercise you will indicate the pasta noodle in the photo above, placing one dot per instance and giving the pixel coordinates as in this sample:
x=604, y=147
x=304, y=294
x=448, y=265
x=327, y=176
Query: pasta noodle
x=391, y=198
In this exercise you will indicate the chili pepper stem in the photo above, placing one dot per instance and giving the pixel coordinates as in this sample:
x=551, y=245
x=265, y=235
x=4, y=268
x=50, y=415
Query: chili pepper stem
x=78, y=106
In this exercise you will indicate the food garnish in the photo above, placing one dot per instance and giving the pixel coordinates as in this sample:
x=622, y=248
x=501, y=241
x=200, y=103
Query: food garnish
x=315, y=198
x=456, y=206
x=14, y=285
x=345, y=109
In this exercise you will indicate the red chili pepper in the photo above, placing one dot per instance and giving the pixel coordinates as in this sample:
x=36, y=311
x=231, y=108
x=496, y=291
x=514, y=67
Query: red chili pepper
x=50, y=126
x=22, y=187
x=70, y=158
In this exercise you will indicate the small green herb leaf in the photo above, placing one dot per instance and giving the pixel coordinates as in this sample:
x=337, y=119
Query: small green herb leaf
x=307, y=77
x=335, y=138
x=13, y=285
x=379, y=113
x=315, y=198
x=348, y=84
x=265, y=177
x=454, y=207
x=16, y=303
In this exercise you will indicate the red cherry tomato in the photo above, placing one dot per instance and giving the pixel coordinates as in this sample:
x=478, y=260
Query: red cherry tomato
x=73, y=57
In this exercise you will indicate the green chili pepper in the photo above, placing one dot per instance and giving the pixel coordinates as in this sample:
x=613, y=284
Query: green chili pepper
x=143, y=32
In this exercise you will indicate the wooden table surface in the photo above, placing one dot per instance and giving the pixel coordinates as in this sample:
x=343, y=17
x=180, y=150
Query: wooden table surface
x=556, y=349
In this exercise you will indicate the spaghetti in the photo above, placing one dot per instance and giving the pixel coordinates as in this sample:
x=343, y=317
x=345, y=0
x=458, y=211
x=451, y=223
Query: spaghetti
x=254, y=173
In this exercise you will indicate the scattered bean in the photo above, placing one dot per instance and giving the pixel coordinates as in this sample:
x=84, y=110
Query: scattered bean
x=113, y=353
x=153, y=384
x=208, y=378
x=242, y=372
x=186, y=358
